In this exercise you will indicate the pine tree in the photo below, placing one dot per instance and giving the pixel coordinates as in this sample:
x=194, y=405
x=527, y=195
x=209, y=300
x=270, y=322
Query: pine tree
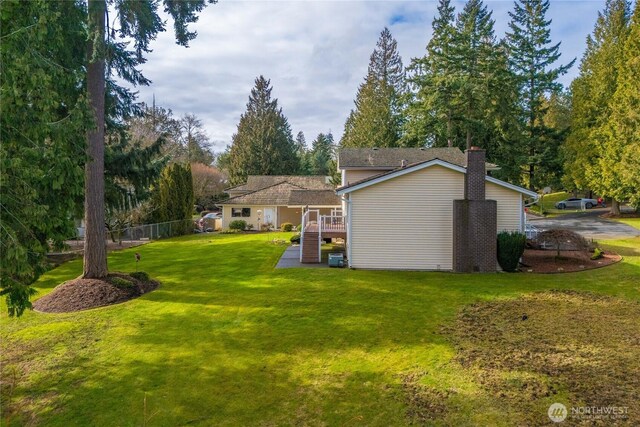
x=430, y=109
x=531, y=56
x=263, y=144
x=620, y=159
x=592, y=93
x=140, y=22
x=376, y=120
x=321, y=154
x=43, y=118
x=303, y=154
x=476, y=57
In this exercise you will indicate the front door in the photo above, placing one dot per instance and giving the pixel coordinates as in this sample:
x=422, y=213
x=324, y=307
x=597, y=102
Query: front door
x=270, y=216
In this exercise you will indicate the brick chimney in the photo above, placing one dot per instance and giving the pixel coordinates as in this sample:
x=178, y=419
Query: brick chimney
x=474, y=178
x=475, y=221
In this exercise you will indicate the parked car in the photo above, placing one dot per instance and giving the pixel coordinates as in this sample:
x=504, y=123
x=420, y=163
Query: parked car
x=207, y=222
x=576, y=203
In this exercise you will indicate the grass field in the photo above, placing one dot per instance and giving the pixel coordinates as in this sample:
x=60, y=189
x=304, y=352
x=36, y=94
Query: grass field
x=228, y=340
x=634, y=222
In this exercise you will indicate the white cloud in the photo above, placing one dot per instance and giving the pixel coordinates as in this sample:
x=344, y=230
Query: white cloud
x=315, y=53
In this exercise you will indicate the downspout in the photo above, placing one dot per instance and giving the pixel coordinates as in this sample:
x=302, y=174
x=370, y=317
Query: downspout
x=347, y=200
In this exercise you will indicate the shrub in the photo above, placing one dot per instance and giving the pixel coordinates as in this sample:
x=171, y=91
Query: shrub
x=266, y=227
x=286, y=226
x=295, y=239
x=249, y=227
x=230, y=231
x=510, y=249
x=238, y=224
x=140, y=275
x=597, y=254
x=121, y=283
x=561, y=239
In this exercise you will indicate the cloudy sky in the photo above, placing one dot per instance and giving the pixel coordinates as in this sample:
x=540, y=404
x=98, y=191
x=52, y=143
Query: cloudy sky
x=315, y=53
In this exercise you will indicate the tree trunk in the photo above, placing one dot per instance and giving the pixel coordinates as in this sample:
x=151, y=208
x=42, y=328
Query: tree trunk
x=95, y=250
x=615, y=207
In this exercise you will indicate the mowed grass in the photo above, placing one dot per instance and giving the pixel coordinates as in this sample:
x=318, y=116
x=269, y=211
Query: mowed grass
x=634, y=222
x=229, y=340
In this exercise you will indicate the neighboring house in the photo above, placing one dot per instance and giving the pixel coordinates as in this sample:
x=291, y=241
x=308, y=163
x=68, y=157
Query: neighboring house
x=275, y=200
x=420, y=209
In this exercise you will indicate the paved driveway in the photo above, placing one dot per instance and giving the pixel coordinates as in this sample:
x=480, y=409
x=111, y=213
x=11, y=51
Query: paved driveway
x=587, y=224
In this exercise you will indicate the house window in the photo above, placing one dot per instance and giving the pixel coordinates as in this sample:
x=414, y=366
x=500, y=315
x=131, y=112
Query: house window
x=240, y=212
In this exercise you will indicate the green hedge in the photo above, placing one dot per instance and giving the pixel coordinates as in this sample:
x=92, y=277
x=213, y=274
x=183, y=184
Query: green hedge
x=510, y=249
x=238, y=224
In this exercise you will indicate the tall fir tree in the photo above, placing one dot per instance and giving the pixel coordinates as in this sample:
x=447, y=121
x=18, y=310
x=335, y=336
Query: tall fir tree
x=140, y=23
x=592, y=92
x=321, y=154
x=263, y=143
x=531, y=57
x=477, y=60
x=430, y=107
x=43, y=117
x=620, y=159
x=376, y=120
x=303, y=154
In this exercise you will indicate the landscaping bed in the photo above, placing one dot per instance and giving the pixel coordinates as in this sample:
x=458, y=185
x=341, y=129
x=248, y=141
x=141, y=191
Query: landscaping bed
x=83, y=294
x=547, y=261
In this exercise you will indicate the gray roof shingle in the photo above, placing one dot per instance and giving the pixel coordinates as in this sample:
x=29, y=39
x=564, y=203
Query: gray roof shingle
x=286, y=194
x=258, y=182
x=391, y=158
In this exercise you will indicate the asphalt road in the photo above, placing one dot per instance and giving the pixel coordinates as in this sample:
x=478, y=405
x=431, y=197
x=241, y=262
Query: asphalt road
x=588, y=224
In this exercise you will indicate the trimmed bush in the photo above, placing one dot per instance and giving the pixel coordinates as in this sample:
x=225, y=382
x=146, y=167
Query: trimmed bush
x=140, y=275
x=286, y=226
x=121, y=283
x=295, y=239
x=597, y=254
x=229, y=231
x=510, y=249
x=238, y=224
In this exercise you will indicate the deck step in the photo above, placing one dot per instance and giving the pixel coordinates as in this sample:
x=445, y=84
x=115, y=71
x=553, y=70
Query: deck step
x=310, y=249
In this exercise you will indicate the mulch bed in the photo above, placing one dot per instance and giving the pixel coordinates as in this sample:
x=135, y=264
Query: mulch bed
x=82, y=294
x=546, y=261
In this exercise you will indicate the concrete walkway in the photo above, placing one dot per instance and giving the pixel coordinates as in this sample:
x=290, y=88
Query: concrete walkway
x=291, y=259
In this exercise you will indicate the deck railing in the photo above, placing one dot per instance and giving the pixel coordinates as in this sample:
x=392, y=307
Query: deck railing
x=332, y=223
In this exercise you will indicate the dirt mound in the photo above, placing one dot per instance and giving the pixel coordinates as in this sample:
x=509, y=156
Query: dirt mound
x=82, y=294
x=577, y=348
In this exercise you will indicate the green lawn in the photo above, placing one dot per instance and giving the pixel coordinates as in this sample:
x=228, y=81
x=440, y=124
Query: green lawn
x=634, y=222
x=228, y=340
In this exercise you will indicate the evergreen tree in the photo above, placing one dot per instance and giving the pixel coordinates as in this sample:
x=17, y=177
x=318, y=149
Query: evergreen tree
x=140, y=22
x=620, y=159
x=303, y=154
x=592, y=92
x=263, y=144
x=531, y=56
x=173, y=198
x=430, y=109
x=43, y=117
x=321, y=154
x=376, y=120
x=476, y=57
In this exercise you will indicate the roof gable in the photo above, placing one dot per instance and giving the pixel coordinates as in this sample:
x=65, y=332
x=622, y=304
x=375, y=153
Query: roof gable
x=419, y=166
